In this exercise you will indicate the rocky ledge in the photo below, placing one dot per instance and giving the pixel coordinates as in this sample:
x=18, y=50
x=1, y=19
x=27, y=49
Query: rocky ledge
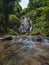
x=24, y=50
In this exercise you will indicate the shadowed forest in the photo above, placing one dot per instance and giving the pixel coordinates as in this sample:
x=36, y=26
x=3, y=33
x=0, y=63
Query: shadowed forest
x=11, y=11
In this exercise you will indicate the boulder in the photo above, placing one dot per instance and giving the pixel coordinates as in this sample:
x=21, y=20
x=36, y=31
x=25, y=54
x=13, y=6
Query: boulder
x=7, y=38
x=37, y=38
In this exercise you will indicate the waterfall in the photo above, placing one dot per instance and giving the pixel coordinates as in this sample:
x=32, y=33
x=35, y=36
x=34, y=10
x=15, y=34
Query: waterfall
x=26, y=25
x=30, y=25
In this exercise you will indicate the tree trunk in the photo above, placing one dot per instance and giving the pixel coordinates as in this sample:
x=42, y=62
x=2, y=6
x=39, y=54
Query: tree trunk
x=6, y=16
x=6, y=21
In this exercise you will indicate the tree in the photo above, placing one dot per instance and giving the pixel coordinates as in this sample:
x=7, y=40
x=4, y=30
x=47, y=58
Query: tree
x=24, y=11
x=33, y=4
x=17, y=10
x=7, y=7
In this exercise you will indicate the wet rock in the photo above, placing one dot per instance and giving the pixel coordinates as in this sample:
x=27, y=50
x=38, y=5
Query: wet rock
x=7, y=38
x=37, y=38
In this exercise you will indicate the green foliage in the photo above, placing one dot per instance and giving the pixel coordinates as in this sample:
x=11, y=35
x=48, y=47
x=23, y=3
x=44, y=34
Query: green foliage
x=24, y=11
x=14, y=22
x=40, y=20
x=37, y=11
x=8, y=7
x=17, y=10
x=34, y=4
x=12, y=32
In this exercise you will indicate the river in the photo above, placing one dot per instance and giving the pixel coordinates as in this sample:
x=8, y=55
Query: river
x=25, y=50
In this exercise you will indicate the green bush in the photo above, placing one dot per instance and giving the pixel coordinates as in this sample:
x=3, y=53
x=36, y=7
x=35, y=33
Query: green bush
x=40, y=20
x=14, y=22
x=12, y=32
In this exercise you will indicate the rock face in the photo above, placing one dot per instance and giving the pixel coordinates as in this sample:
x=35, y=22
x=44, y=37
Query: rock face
x=22, y=50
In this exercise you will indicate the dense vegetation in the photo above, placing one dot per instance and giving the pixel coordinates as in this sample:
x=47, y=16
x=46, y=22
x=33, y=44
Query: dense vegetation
x=10, y=12
x=37, y=11
x=40, y=20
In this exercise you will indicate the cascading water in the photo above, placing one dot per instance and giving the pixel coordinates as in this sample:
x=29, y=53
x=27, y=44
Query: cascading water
x=31, y=25
x=25, y=26
x=30, y=40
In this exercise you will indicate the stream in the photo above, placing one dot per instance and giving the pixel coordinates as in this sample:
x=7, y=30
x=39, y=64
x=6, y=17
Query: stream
x=25, y=50
x=29, y=40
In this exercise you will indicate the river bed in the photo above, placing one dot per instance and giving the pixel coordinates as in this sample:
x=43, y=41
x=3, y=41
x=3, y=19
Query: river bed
x=25, y=50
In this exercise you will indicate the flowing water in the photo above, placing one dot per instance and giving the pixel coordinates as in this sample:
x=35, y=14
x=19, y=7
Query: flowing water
x=25, y=26
x=25, y=50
